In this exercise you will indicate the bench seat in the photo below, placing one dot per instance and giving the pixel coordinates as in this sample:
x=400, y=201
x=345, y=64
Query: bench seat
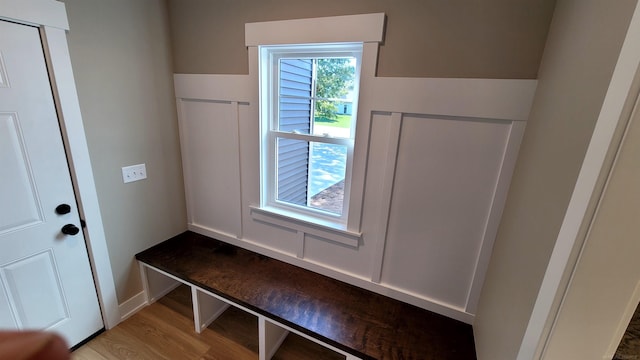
x=359, y=322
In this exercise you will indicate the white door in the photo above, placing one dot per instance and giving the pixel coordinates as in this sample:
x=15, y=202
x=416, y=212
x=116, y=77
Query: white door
x=45, y=276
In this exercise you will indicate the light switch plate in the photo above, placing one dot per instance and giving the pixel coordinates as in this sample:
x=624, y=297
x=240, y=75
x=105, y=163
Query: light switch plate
x=134, y=173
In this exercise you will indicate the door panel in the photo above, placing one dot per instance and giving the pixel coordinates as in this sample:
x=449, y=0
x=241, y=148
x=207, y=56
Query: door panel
x=36, y=272
x=45, y=276
x=25, y=210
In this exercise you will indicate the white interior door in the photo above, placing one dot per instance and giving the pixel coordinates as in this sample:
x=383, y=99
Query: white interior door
x=45, y=276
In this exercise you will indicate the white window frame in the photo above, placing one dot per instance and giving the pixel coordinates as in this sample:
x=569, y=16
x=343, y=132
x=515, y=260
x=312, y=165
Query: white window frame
x=365, y=28
x=270, y=57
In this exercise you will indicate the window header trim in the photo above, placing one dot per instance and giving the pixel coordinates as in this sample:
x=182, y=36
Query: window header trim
x=348, y=28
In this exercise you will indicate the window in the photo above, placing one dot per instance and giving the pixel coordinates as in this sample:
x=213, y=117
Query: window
x=308, y=116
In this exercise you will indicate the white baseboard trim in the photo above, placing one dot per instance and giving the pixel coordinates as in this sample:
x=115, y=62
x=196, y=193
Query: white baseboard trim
x=164, y=292
x=132, y=305
x=138, y=301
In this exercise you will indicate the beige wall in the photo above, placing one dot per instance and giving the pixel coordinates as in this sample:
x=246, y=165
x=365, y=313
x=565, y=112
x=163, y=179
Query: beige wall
x=424, y=38
x=122, y=65
x=583, y=45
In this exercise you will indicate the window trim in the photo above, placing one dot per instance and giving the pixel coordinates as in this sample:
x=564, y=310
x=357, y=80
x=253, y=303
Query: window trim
x=365, y=28
x=332, y=29
x=306, y=226
x=270, y=57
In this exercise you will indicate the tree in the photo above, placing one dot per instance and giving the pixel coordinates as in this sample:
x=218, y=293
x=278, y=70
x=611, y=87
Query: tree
x=335, y=77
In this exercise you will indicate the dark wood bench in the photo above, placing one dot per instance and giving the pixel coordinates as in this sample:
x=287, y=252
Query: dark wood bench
x=358, y=323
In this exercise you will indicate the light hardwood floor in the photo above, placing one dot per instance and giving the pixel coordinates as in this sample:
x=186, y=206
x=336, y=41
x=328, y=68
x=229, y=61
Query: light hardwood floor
x=164, y=330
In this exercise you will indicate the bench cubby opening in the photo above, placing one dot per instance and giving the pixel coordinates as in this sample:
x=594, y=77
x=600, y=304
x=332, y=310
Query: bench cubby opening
x=352, y=322
x=253, y=331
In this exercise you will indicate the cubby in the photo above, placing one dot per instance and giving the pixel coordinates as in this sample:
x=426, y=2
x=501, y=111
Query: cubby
x=228, y=322
x=292, y=312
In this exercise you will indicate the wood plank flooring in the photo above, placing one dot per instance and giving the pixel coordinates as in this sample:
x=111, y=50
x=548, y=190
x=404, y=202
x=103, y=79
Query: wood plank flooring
x=164, y=330
x=629, y=348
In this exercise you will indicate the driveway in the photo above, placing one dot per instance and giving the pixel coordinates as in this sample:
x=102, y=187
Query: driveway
x=327, y=163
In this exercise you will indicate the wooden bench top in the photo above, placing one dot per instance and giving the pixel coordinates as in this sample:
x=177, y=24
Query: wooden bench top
x=357, y=321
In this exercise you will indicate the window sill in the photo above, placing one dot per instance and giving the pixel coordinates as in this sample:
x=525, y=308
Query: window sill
x=317, y=228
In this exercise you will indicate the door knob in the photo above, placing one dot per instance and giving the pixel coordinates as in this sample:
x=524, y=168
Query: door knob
x=63, y=209
x=70, y=229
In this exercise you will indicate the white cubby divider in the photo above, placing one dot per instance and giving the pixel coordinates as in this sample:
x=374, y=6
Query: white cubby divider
x=207, y=306
x=270, y=336
x=206, y=309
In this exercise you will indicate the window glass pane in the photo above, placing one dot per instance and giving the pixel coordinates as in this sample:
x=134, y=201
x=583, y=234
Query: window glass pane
x=338, y=124
x=326, y=176
x=325, y=95
x=311, y=99
x=295, y=95
x=335, y=78
x=334, y=92
x=292, y=171
x=311, y=174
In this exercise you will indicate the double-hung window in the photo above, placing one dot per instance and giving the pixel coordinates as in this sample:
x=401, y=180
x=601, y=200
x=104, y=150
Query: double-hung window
x=308, y=102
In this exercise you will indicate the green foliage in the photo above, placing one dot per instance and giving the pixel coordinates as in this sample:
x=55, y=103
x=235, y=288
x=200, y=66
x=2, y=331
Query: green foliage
x=334, y=79
x=326, y=109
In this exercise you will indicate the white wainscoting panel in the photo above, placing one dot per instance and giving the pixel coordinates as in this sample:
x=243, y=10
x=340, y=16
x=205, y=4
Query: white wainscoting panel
x=446, y=173
x=209, y=140
x=436, y=177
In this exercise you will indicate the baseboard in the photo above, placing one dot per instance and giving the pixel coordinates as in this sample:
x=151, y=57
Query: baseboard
x=139, y=301
x=164, y=292
x=132, y=305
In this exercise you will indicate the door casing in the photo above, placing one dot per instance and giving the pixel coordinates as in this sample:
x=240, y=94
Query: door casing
x=615, y=113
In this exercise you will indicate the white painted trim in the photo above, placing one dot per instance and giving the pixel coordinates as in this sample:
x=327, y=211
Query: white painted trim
x=499, y=199
x=480, y=98
x=206, y=309
x=503, y=99
x=238, y=134
x=300, y=244
x=184, y=151
x=362, y=137
x=624, y=323
x=312, y=227
x=145, y=283
x=35, y=12
x=347, y=28
x=269, y=110
x=66, y=99
x=595, y=165
x=132, y=305
x=269, y=343
x=393, y=142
